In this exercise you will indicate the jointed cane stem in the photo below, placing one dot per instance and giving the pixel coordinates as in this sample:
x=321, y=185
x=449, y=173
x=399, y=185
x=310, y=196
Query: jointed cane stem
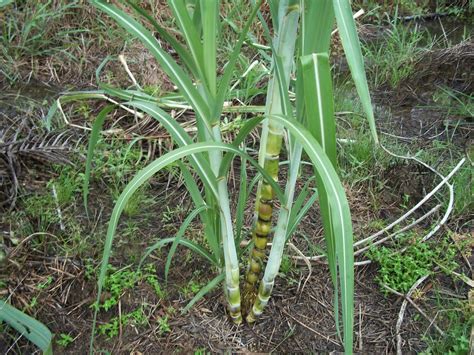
x=269, y=155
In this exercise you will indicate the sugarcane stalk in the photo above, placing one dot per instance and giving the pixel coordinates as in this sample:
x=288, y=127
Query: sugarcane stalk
x=232, y=288
x=209, y=10
x=270, y=148
x=274, y=260
x=314, y=37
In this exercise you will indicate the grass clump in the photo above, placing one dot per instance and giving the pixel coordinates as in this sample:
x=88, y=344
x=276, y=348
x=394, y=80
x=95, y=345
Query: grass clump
x=394, y=62
x=38, y=37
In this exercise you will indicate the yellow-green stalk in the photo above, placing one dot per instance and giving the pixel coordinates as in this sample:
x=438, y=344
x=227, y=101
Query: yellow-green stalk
x=270, y=148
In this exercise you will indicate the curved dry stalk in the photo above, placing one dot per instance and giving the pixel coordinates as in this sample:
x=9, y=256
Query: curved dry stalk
x=401, y=314
x=449, y=209
x=445, y=181
x=418, y=308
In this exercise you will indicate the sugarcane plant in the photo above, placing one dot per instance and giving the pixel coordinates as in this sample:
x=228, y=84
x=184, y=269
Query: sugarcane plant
x=299, y=106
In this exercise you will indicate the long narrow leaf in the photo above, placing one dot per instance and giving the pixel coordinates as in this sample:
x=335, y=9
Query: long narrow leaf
x=317, y=19
x=184, y=242
x=350, y=42
x=176, y=74
x=241, y=201
x=209, y=12
x=30, y=328
x=298, y=214
x=190, y=34
x=207, y=216
x=178, y=47
x=319, y=106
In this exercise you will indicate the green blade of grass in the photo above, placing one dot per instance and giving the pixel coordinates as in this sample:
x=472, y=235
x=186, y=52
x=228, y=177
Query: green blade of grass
x=350, y=42
x=184, y=242
x=30, y=328
x=317, y=21
x=128, y=95
x=68, y=97
x=275, y=14
x=96, y=128
x=241, y=202
x=194, y=11
x=286, y=107
x=190, y=35
x=296, y=218
x=298, y=207
x=206, y=216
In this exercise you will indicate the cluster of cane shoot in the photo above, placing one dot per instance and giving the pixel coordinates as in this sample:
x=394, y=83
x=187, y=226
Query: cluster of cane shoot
x=299, y=48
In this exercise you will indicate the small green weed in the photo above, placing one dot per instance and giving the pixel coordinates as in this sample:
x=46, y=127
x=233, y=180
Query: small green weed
x=170, y=215
x=191, y=288
x=41, y=212
x=43, y=285
x=152, y=280
x=68, y=183
x=200, y=351
x=463, y=191
x=118, y=281
x=64, y=340
x=33, y=303
x=111, y=328
x=163, y=325
x=287, y=265
x=401, y=269
x=114, y=162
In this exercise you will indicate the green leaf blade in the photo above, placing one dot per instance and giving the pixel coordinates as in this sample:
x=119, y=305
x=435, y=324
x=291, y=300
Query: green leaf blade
x=319, y=105
x=176, y=73
x=351, y=45
x=33, y=330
